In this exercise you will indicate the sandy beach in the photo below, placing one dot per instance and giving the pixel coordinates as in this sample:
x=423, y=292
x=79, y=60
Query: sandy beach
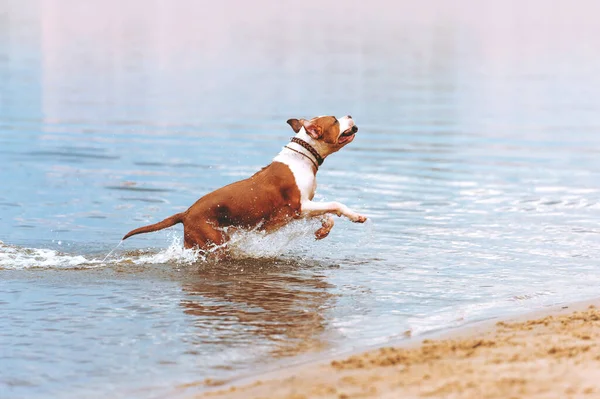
x=549, y=354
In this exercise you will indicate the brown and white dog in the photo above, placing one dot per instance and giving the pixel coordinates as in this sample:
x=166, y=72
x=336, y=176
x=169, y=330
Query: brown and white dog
x=274, y=196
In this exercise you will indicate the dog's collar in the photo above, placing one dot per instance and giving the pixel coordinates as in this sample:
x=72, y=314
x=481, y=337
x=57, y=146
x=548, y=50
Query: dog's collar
x=305, y=156
x=310, y=149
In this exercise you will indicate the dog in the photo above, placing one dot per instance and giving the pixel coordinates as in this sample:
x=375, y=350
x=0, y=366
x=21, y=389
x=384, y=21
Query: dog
x=275, y=195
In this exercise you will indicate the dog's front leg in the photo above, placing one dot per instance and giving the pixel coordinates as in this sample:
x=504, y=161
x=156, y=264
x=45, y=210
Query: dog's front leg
x=312, y=209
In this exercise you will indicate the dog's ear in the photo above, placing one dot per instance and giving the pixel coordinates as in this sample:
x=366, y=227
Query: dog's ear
x=315, y=131
x=295, y=124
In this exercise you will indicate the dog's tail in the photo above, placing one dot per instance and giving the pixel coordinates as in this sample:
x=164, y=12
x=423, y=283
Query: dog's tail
x=168, y=222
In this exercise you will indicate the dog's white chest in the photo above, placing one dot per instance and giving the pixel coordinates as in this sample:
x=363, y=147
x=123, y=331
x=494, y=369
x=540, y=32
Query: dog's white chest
x=302, y=171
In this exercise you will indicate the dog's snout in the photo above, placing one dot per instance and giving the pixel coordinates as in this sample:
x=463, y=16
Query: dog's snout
x=354, y=129
x=349, y=116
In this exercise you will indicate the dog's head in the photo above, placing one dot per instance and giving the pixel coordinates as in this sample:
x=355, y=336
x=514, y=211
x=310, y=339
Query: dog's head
x=327, y=134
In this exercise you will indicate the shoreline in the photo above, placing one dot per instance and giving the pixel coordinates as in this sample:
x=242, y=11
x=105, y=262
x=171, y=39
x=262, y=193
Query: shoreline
x=506, y=352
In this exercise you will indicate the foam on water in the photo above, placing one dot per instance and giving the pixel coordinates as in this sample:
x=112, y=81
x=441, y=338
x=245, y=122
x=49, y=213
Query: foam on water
x=13, y=257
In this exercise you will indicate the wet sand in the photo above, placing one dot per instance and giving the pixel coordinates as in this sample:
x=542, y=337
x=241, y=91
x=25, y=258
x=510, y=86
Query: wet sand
x=550, y=354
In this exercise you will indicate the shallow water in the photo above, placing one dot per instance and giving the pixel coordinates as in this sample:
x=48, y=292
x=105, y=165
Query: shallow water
x=477, y=161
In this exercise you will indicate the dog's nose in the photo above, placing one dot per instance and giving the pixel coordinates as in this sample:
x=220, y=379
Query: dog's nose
x=354, y=129
x=349, y=116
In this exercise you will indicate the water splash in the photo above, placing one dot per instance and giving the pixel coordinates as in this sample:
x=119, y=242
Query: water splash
x=175, y=253
x=295, y=237
x=113, y=250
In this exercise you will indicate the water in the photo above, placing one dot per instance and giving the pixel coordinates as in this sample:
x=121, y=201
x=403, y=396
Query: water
x=477, y=161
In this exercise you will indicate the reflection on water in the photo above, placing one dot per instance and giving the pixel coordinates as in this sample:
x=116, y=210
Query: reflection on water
x=248, y=301
x=476, y=162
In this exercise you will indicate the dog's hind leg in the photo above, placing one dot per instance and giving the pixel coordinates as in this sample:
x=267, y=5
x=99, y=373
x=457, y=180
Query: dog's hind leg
x=203, y=237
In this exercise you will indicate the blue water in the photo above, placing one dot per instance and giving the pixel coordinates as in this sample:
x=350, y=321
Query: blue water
x=477, y=162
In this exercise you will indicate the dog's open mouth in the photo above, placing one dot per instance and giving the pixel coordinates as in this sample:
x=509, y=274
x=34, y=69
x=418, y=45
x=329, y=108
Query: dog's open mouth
x=348, y=135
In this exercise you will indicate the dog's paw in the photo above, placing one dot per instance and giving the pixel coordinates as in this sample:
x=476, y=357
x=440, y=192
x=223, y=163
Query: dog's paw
x=359, y=218
x=322, y=233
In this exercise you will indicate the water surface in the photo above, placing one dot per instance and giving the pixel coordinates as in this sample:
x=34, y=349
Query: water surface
x=477, y=162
